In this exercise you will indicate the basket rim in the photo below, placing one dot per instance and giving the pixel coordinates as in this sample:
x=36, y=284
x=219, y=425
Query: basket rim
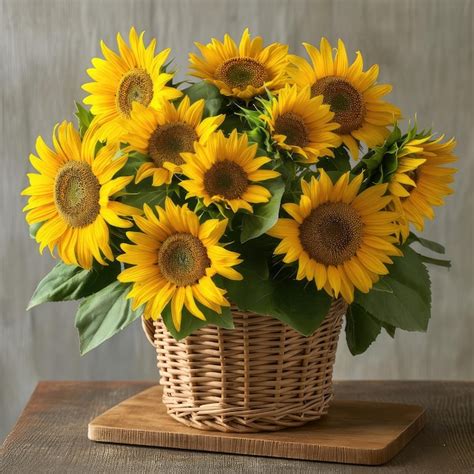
x=148, y=324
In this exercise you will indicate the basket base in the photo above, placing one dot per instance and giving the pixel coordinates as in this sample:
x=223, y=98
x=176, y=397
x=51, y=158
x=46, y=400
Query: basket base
x=353, y=432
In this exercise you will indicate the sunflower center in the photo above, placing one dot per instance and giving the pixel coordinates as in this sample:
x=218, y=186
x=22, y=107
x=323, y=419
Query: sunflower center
x=332, y=233
x=76, y=194
x=226, y=178
x=345, y=101
x=242, y=72
x=135, y=86
x=293, y=127
x=168, y=141
x=183, y=259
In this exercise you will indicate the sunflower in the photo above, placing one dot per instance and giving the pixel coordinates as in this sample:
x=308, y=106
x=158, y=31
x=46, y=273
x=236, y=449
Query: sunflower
x=302, y=124
x=421, y=181
x=353, y=95
x=134, y=75
x=71, y=195
x=242, y=71
x=341, y=238
x=174, y=258
x=224, y=170
x=163, y=135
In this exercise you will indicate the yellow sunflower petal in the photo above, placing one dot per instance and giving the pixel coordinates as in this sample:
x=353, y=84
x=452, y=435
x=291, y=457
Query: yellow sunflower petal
x=241, y=71
x=421, y=180
x=352, y=94
x=339, y=236
x=135, y=74
x=182, y=255
x=225, y=169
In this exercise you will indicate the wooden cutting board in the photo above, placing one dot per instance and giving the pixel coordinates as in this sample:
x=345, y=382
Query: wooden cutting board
x=354, y=432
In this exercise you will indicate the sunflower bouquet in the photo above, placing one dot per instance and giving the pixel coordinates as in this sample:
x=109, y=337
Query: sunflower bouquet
x=273, y=183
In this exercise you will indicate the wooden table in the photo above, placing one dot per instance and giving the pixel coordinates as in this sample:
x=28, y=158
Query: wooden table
x=51, y=434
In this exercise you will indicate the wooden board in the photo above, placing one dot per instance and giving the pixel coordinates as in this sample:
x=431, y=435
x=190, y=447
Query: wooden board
x=356, y=432
x=51, y=434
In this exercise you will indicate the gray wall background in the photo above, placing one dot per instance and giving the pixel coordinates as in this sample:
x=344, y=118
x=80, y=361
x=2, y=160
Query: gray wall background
x=424, y=48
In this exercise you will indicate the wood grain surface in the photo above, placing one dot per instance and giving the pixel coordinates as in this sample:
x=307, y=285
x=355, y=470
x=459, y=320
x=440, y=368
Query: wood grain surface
x=51, y=434
x=353, y=432
x=423, y=47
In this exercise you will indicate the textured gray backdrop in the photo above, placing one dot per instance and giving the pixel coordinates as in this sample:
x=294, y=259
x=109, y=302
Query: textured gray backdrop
x=423, y=47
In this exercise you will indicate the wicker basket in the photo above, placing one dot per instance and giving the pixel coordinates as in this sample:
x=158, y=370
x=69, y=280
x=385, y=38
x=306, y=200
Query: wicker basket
x=260, y=376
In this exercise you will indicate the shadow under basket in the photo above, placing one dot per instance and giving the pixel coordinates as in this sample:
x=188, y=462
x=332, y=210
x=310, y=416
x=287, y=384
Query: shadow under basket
x=260, y=376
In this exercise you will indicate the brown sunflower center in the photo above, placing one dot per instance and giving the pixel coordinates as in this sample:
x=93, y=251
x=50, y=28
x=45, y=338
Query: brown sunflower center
x=242, y=72
x=226, y=178
x=169, y=140
x=76, y=194
x=135, y=86
x=293, y=127
x=345, y=101
x=332, y=233
x=183, y=259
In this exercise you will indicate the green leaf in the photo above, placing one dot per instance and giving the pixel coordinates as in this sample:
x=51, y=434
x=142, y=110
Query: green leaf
x=382, y=161
x=84, y=117
x=264, y=216
x=389, y=166
x=68, y=282
x=104, y=314
x=406, y=302
x=190, y=323
x=340, y=162
x=144, y=193
x=334, y=175
x=34, y=228
x=435, y=261
x=382, y=286
x=428, y=244
x=292, y=302
x=210, y=93
x=389, y=329
x=134, y=161
x=254, y=256
x=361, y=329
x=342, y=159
x=232, y=122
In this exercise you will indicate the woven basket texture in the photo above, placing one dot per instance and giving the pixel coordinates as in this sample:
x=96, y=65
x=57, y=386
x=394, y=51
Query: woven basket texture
x=260, y=376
